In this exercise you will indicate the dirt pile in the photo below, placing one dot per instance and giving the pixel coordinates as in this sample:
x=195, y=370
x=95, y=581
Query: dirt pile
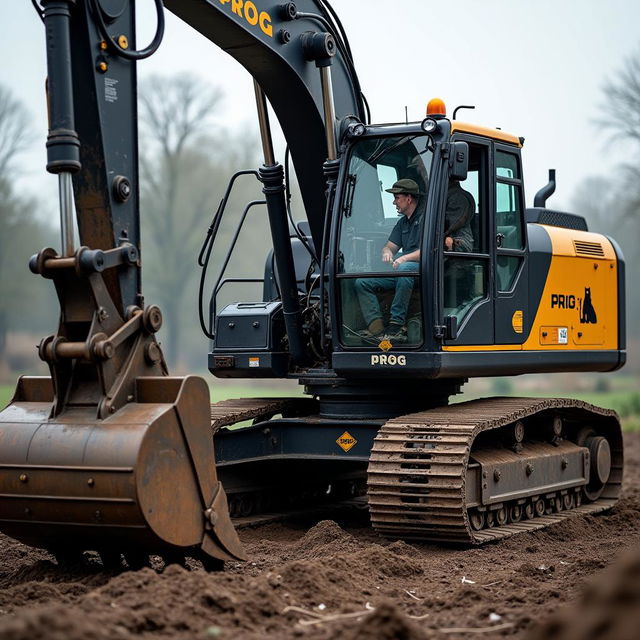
x=331, y=579
x=608, y=609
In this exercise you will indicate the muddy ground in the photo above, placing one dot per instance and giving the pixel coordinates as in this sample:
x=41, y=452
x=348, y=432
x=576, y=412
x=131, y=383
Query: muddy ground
x=336, y=579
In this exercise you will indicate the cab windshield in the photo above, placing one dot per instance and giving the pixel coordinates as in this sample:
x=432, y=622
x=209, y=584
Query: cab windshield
x=382, y=220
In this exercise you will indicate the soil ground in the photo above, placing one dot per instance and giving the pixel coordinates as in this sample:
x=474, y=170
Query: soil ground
x=333, y=579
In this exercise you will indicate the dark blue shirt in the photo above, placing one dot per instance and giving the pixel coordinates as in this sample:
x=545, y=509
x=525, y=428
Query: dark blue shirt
x=408, y=232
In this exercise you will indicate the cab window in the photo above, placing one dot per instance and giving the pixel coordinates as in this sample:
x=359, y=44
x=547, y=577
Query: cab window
x=509, y=219
x=466, y=251
x=375, y=298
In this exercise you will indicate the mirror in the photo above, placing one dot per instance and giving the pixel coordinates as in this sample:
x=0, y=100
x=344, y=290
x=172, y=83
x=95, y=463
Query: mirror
x=459, y=160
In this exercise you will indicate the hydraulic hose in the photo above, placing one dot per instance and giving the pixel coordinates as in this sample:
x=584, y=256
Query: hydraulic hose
x=127, y=53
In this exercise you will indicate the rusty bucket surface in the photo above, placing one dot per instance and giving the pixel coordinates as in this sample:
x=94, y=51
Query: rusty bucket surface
x=143, y=478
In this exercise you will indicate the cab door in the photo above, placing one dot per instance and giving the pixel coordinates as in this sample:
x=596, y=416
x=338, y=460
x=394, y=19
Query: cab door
x=467, y=266
x=511, y=293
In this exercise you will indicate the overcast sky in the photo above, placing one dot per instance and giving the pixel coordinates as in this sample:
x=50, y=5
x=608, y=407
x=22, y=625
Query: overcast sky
x=534, y=68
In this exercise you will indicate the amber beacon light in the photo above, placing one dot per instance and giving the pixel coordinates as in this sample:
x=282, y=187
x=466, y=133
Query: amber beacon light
x=436, y=107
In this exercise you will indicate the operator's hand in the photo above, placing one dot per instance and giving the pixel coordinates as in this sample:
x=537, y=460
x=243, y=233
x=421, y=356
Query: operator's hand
x=448, y=243
x=398, y=261
x=387, y=255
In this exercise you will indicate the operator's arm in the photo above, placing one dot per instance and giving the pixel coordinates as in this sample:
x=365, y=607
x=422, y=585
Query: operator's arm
x=414, y=256
x=459, y=210
x=389, y=250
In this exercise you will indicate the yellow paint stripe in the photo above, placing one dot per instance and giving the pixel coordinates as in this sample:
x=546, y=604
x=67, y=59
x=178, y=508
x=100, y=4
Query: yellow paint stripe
x=483, y=347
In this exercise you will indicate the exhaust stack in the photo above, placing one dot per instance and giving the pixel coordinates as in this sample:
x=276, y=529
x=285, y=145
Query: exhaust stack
x=540, y=198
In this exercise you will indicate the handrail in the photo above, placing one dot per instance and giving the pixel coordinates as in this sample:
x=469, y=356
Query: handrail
x=207, y=246
x=216, y=288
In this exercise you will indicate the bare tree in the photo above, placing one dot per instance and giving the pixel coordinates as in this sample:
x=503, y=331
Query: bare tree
x=622, y=94
x=612, y=204
x=15, y=132
x=20, y=234
x=595, y=199
x=185, y=164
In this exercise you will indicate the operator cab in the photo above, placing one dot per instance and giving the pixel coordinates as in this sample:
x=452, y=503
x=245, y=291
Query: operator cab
x=470, y=283
x=450, y=215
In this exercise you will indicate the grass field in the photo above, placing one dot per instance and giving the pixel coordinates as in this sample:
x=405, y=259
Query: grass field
x=626, y=403
x=218, y=391
x=6, y=392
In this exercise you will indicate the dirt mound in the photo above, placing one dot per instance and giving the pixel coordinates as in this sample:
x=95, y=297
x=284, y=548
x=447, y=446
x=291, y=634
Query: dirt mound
x=55, y=623
x=609, y=608
x=324, y=538
x=335, y=580
x=387, y=623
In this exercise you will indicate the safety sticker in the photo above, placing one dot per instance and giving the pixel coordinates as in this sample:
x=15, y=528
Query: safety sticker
x=517, y=321
x=554, y=335
x=346, y=441
x=385, y=345
x=254, y=362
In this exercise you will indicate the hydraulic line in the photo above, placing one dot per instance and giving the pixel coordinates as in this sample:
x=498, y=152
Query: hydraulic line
x=272, y=177
x=129, y=54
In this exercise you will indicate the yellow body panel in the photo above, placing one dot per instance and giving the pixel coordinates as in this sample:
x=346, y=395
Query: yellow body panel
x=485, y=132
x=589, y=284
x=579, y=305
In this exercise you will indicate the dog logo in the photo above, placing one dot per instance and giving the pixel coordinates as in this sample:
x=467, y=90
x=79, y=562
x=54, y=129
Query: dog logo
x=586, y=309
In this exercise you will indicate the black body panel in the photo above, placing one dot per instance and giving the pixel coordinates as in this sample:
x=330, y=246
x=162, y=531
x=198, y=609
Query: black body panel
x=249, y=342
x=468, y=364
x=539, y=262
x=622, y=296
x=302, y=438
x=539, y=215
x=106, y=120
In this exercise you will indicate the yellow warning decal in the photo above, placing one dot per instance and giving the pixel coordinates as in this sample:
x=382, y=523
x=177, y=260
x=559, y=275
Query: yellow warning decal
x=385, y=345
x=346, y=441
x=517, y=321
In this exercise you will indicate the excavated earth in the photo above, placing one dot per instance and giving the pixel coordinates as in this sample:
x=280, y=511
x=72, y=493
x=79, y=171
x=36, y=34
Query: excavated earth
x=336, y=579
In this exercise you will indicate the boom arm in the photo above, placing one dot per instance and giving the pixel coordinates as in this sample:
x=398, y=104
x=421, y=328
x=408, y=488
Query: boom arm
x=265, y=39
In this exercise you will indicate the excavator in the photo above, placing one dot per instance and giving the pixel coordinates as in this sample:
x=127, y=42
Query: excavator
x=112, y=454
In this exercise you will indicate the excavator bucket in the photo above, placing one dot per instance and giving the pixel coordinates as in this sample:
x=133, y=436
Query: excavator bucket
x=142, y=479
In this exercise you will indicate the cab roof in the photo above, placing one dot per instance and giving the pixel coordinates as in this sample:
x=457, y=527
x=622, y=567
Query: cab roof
x=486, y=132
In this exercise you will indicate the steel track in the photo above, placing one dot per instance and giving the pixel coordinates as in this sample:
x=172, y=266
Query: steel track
x=229, y=412
x=418, y=467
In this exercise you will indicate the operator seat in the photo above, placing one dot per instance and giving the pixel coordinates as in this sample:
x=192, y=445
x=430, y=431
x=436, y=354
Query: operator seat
x=302, y=263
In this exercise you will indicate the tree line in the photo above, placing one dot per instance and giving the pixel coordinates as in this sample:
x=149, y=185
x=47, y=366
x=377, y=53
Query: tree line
x=611, y=204
x=186, y=158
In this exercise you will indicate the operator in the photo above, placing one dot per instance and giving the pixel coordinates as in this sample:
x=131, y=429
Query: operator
x=458, y=214
x=406, y=236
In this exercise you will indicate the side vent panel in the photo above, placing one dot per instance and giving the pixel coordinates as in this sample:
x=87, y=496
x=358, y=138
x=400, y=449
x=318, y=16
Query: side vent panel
x=588, y=249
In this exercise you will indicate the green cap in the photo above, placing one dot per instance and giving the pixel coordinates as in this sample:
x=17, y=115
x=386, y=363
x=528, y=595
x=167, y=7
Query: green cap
x=405, y=185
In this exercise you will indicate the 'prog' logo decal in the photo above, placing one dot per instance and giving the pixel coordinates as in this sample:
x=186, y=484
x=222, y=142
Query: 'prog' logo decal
x=584, y=305
x=563, y=301
x=389, y=359
x=248, y=12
